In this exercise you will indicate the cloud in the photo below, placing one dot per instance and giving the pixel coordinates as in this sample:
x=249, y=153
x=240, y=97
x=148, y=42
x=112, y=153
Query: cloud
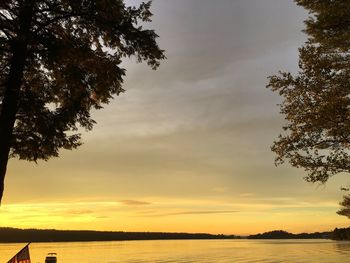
x=219, y=55
x=201, y=212
x=134, y=202
x=79, y=211
x=187, y=212
x=247, y=195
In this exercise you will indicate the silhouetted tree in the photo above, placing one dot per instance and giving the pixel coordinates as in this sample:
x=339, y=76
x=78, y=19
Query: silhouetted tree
x=345, y=209
x=316, y=101
x=59, y=59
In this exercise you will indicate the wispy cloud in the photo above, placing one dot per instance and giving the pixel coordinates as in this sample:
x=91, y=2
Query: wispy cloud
x=79, y=211
x=134, y=202
x=187, y=212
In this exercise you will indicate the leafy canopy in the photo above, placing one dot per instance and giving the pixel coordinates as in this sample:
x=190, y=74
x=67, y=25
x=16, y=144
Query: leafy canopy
x=316, y=102
x=74, y=51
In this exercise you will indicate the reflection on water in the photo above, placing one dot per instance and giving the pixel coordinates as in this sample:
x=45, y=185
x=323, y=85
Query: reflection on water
x=167, y=251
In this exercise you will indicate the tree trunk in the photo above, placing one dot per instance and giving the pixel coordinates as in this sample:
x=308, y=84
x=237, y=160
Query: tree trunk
x=12, y=87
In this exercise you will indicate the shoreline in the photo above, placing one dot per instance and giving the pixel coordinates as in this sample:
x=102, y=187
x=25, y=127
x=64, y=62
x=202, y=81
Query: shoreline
x=16, y=235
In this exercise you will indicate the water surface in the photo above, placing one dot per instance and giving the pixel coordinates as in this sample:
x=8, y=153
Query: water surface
x=166, y=251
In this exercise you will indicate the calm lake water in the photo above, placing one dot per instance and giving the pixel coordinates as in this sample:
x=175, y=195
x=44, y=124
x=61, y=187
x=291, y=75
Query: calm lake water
x=187, y=251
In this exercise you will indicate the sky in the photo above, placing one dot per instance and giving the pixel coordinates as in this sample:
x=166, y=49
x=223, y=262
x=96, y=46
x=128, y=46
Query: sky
x=187, y=147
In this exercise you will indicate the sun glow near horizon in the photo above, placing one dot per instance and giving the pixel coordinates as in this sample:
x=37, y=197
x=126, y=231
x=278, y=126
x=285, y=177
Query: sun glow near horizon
x=176, y=215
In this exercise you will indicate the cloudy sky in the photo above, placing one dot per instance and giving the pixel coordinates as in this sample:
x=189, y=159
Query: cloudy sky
x=186, y=147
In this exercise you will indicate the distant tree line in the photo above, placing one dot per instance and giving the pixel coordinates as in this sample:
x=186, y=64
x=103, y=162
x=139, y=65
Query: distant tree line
x=341, y=234
x=12, y=235
x=280, y=234
x=15, y=235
